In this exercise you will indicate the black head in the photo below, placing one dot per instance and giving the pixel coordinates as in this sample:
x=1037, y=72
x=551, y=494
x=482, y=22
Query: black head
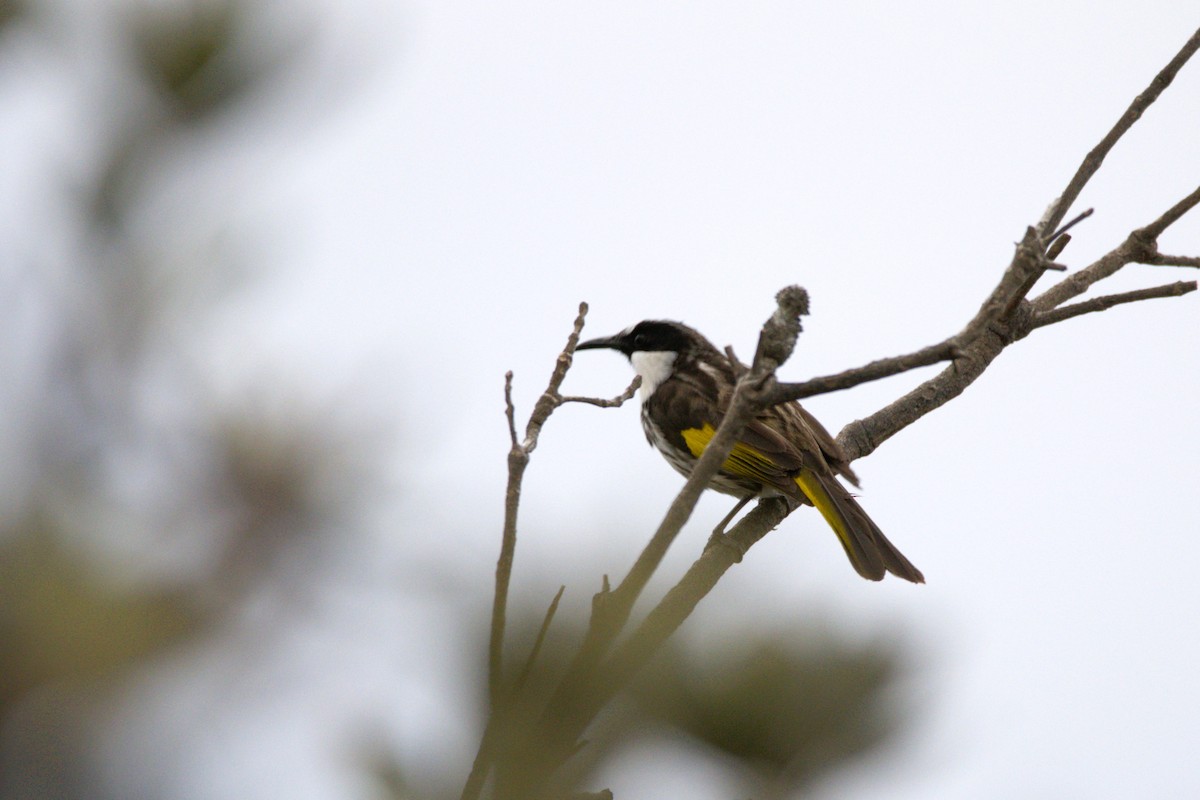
x=651, y=336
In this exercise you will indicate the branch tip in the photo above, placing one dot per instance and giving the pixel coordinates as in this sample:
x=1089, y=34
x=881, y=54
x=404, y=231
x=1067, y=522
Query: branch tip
x=1063, y=230
x=778, y=336
x=510, y=411
x=1105, y=302
x=1057, y=246
x=793, y=301
x=1161, y=260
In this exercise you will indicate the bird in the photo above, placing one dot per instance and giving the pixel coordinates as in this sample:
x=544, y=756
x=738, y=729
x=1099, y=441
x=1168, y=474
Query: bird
x=687, y=385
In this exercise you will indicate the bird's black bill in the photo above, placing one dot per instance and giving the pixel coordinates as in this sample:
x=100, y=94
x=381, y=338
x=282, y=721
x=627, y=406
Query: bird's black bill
x=603, y=343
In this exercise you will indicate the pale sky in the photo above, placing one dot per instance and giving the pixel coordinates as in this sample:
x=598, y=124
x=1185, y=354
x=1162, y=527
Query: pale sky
x=503, y=161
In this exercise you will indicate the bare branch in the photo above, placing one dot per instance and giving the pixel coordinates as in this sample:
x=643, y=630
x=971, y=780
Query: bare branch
x=1063, y=230
x=882, y=368
x=1160, y=260
x=1028, y=264
x=1169, y=217
x=1106, y=302
x=551, y=399
x=510, y=411
x=1079, y=282
x=615, y=402
x=1003, y=318
x=862, y=437
x=1140, y=246
x=518, y=460
x=1091, y=163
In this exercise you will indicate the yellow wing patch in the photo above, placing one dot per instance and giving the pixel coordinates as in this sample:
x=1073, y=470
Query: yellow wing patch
x=743, y=461
x=746, y=462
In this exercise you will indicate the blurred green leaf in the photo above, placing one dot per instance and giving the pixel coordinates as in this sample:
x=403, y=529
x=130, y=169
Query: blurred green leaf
x=789, y=708
x=785, y=708
x=190, y=52
x=58, y=621
x=10, y=11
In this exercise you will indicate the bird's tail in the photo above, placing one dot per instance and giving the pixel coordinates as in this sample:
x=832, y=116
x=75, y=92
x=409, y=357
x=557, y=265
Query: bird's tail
x=869, y=550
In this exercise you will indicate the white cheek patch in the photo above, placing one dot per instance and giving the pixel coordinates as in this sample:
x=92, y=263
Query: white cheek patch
x=654, y=367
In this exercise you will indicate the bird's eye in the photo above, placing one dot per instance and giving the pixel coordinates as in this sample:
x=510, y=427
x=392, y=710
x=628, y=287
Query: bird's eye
x=639, y=341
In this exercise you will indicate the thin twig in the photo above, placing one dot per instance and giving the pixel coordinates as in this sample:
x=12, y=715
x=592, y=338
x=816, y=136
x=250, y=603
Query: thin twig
x=1079, y=282
x=882, y=368
x=1160, y=260
x=1138, y=246
x=1091, y=163
x=615, y=402
x=551, y=399
x=1106, y=302
x=1002, y=319
x=1169, y=217
x=1063, y=230
x=540, y=640
x=518, y=460
x=509, y=410
x=862, y=437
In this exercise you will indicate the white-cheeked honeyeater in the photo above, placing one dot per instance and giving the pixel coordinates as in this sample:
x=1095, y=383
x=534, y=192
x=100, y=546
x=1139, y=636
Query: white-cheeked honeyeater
x=686, y=387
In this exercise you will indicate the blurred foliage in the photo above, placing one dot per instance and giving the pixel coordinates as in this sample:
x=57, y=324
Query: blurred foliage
x=779, y=710
x=124, y=455
x=787, y=707
x=200, y=58
x=186, y=52
x=288, y=472
x=10, y=11
x=199, y=54
x=60, y=621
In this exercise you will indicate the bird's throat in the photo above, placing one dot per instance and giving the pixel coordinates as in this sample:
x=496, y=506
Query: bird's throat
x=654, y=367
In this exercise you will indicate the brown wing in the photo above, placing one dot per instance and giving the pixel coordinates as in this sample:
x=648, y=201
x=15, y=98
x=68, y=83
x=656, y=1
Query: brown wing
x=689, y=399
x=787, y=437
x=795, y=440
x=834, y=456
